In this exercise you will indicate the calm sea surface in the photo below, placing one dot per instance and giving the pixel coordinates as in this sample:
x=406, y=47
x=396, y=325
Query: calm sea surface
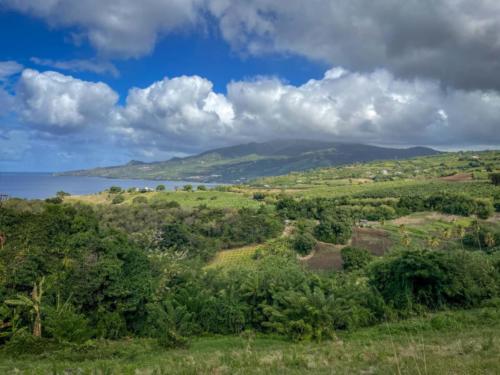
x=45, y=185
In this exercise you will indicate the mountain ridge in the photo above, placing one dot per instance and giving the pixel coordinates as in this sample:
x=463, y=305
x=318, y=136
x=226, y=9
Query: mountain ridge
x=243, y=162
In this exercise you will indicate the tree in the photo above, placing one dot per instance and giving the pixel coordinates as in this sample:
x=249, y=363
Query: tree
x=115, y=190
x=495, y=178
x=333, y=231
x=33, y=304
x=62, y=194
x=303, y=242
x=201, y=188
x=187, y=187
x=118, y=199
x=160, y=187
x=354, y=258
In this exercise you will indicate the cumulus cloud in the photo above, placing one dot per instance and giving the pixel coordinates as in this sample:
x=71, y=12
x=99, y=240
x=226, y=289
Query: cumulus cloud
x=181, y=113
x=79, y=65
x=127, y=28
x=185, y=115
x=57, y=103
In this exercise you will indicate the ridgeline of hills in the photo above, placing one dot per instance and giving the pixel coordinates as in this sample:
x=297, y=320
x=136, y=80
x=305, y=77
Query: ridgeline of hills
x=249, y=161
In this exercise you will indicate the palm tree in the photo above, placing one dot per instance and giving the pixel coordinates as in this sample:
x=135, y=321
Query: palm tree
x=489, y=240
x=406, y=240
x=477, y=229
x=460, y=231
x=433, y=242
x=34, y=304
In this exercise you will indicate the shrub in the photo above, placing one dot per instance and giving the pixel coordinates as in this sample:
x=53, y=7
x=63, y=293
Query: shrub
x=140, y=200
x=118, y=199
x=434, y=279
x=258, y=196
x=160, y=187
x=303, y=242
x=54, y=200
x=354, y=258
x=484, y=208
x=115, y=190
x=66, y=325
x=201, y=188
x=187, y=187
x=495, y=178
x=334, y=231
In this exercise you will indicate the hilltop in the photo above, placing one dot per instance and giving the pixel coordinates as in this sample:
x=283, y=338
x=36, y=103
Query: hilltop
x=245, y=162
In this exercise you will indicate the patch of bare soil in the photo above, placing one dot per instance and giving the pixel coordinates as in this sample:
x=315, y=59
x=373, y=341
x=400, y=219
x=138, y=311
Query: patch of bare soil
x=459, y=177
x=377, y=241
x=325, y=257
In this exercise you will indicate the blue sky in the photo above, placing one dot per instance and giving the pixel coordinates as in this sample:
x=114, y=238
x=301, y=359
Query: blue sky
x=87, y=83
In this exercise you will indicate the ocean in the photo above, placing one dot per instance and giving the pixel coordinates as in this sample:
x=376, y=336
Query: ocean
x=45, y=185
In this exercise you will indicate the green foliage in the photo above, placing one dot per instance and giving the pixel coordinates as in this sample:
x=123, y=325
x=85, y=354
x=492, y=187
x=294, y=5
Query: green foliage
x=303, y=242
x=201, y=188
x=354, y=258
x=115, y=190
x=187, y=187
x=160, y=187
x=118, y=199
x=65, y=324
x=334, y=229
x=259, y=196
x=434, y=279
x=140, y=200
x=54, y=200
x=495, y=178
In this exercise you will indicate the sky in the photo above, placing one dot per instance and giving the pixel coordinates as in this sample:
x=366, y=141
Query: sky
x=95, y=83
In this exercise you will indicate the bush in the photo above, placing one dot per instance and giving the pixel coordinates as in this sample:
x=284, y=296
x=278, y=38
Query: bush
x=66, y=325
x=140, y=200
x=495, y=178
x=303, y=242
x=434, y=280
x=354, y=258
x=115, y=190
x=201, y=188
x=484, y=208
x=258, y=196
x=160, y=187
x=334, y=231
x=118, y=199
x=187, y=187
x=54, y=200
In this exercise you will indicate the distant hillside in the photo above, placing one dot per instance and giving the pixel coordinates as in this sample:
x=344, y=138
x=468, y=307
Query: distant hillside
x=248, y=161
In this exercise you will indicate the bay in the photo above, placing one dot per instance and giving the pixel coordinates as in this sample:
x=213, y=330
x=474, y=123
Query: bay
x=45, y=185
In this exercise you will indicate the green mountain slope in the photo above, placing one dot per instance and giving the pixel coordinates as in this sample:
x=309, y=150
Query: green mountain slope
x=248, y=161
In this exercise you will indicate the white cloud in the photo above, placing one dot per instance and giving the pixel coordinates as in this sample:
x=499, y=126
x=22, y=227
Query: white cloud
x=79, y=65
x=58, y=103
x=184, y=114
x=8, y=69
x=177, y=112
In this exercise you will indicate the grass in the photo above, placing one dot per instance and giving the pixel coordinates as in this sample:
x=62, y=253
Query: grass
x=459, y=342
x=211, y=198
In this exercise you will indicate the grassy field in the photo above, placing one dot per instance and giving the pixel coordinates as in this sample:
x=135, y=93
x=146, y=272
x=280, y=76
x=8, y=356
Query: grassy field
x=211, y=198
x=461, y=342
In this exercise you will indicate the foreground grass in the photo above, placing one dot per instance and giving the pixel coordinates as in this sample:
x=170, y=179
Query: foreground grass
x=462, y=342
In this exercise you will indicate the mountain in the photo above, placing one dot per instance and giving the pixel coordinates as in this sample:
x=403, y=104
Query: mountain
x=248, y=161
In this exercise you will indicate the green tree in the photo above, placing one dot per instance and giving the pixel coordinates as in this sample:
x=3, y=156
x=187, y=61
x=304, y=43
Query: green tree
x=33, y=305
x=160, y=187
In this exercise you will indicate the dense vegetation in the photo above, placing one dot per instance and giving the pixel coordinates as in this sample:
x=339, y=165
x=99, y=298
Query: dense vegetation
x=145, y=266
